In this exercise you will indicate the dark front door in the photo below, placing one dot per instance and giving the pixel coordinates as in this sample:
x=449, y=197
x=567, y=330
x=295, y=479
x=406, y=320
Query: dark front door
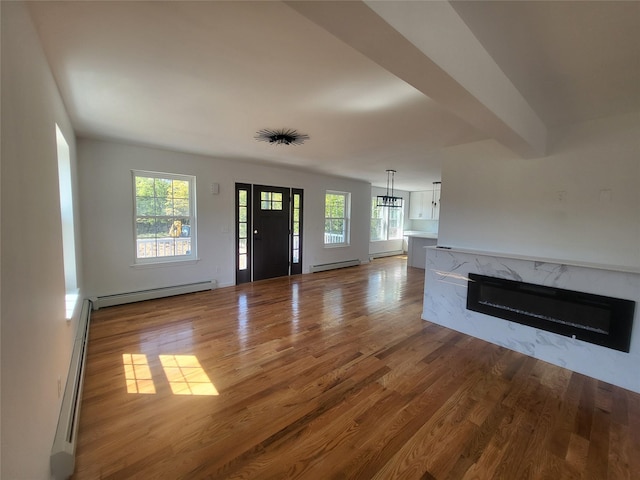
x=271, y=231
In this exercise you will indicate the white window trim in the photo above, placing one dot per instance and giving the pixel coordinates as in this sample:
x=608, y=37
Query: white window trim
x=386, y=222
x=67, y=213
x=167, y=260
x=346, y=218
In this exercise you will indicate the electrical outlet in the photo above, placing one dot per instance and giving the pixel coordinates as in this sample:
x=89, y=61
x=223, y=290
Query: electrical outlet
x=59, y=386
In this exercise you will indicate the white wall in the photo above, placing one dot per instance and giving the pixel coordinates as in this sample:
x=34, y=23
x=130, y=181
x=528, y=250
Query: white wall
x=496, y=202
x=384, y=246
x=106, y=195
x=36, y=338
x=430, y=226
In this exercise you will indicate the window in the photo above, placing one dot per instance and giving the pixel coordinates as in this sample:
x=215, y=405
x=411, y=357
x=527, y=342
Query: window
x=386, y=222
x=271, y=201
x=68, y=228
x=336, y=218
x=164, y=217
x=296, y=231
x=243, y=221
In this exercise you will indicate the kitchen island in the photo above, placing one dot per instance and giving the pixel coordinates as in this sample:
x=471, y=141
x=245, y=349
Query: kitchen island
x=416, y=247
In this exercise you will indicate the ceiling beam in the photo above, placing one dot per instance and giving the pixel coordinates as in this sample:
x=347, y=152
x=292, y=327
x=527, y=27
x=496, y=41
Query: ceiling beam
x=427, y=45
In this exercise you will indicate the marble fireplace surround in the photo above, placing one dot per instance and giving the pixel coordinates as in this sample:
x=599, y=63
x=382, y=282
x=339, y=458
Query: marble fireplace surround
x=445, y=299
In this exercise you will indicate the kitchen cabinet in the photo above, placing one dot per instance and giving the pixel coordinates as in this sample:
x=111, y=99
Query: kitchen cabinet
x=424, y=205
x=417, y=205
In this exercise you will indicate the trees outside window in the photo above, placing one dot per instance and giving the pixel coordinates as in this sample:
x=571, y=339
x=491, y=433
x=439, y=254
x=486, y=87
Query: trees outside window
x=336, y=218
x=164, y=217
x=386, y=222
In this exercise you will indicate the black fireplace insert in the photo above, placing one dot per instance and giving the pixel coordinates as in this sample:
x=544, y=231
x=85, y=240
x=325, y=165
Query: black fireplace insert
x=593, y=318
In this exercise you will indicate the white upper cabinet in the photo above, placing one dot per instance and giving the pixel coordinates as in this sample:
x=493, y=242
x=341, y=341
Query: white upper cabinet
x=425, y=205
x=419, y=203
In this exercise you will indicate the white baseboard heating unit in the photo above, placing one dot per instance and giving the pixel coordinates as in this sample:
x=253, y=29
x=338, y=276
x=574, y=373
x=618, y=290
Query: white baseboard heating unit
x=63, y=452
x=332, y=266
x=386, y=254
x=122, y=298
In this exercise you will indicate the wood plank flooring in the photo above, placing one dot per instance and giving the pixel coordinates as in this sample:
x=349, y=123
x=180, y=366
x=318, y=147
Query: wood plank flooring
x=334, y=375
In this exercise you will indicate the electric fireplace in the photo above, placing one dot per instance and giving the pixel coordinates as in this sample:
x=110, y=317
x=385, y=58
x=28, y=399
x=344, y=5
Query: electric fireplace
x=592, y=318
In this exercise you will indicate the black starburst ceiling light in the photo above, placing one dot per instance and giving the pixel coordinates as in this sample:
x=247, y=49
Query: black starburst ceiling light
x=283, y=136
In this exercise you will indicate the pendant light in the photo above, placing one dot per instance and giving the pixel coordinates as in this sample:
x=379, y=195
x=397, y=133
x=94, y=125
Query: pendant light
x=389, y=200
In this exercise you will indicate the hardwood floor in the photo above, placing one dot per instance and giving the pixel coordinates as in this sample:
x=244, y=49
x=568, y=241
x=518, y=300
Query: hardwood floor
x=334, y=375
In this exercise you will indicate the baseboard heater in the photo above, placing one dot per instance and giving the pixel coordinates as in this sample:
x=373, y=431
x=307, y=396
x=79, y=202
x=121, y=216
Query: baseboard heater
x=332, y=266
x=386, y=254
x=122, y=298
x=63, y=452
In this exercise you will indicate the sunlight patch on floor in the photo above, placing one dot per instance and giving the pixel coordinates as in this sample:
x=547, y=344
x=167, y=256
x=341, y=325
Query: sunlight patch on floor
x=137, y=373
x=186, y=376
x=183, y=372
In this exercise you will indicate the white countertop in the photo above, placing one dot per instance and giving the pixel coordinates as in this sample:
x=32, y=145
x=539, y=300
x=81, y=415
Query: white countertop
x=419, y=234
x=575, y=263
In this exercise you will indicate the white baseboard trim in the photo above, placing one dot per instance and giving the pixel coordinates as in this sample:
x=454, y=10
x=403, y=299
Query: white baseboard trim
x=332, y=266
x=130, y=297
x=386, y=254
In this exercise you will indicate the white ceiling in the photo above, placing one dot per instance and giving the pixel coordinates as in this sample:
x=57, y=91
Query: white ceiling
x=204, y=77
